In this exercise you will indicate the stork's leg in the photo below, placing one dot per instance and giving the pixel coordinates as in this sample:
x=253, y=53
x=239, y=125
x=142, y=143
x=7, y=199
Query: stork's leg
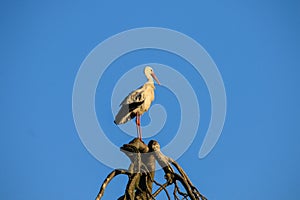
x=140, y=129
x=138, y=126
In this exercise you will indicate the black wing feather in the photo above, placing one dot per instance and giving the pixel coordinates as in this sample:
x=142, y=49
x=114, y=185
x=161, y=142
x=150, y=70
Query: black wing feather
x=125, y=114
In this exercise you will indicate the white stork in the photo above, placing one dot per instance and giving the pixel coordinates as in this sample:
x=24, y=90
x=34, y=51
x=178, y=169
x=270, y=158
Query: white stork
x=138, y=102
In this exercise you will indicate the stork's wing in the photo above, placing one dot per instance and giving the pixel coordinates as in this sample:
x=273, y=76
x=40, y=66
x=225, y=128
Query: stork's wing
x=136, y=96
x=130, y=103
x=125, y=113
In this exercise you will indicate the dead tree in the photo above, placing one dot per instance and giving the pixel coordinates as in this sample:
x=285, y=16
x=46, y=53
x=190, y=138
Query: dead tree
x=142, y=170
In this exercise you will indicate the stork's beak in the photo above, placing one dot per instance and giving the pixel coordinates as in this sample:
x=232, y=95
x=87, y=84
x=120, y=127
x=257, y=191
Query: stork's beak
x=155, y=78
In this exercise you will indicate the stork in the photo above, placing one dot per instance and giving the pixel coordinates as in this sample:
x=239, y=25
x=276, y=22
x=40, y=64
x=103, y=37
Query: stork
x=138, y=102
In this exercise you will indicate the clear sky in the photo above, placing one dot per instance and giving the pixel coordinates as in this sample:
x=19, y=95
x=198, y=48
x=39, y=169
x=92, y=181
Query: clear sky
x=255, y=45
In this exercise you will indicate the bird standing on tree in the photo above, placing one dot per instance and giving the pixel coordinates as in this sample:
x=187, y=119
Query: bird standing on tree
x=138, y=102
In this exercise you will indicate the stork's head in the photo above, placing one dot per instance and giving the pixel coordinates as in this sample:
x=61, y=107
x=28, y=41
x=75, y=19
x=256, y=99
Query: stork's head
x=150, y=74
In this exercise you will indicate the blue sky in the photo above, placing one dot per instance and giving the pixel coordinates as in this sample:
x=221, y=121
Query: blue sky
x=254, y=44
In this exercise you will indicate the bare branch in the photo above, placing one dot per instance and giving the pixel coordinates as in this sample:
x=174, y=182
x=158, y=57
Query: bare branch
x=113, y=174
x=162, y=187
x=178, y=190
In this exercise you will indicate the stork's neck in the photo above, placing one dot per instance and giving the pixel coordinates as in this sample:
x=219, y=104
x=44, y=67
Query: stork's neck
x=150, y=83
x=149, y=77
